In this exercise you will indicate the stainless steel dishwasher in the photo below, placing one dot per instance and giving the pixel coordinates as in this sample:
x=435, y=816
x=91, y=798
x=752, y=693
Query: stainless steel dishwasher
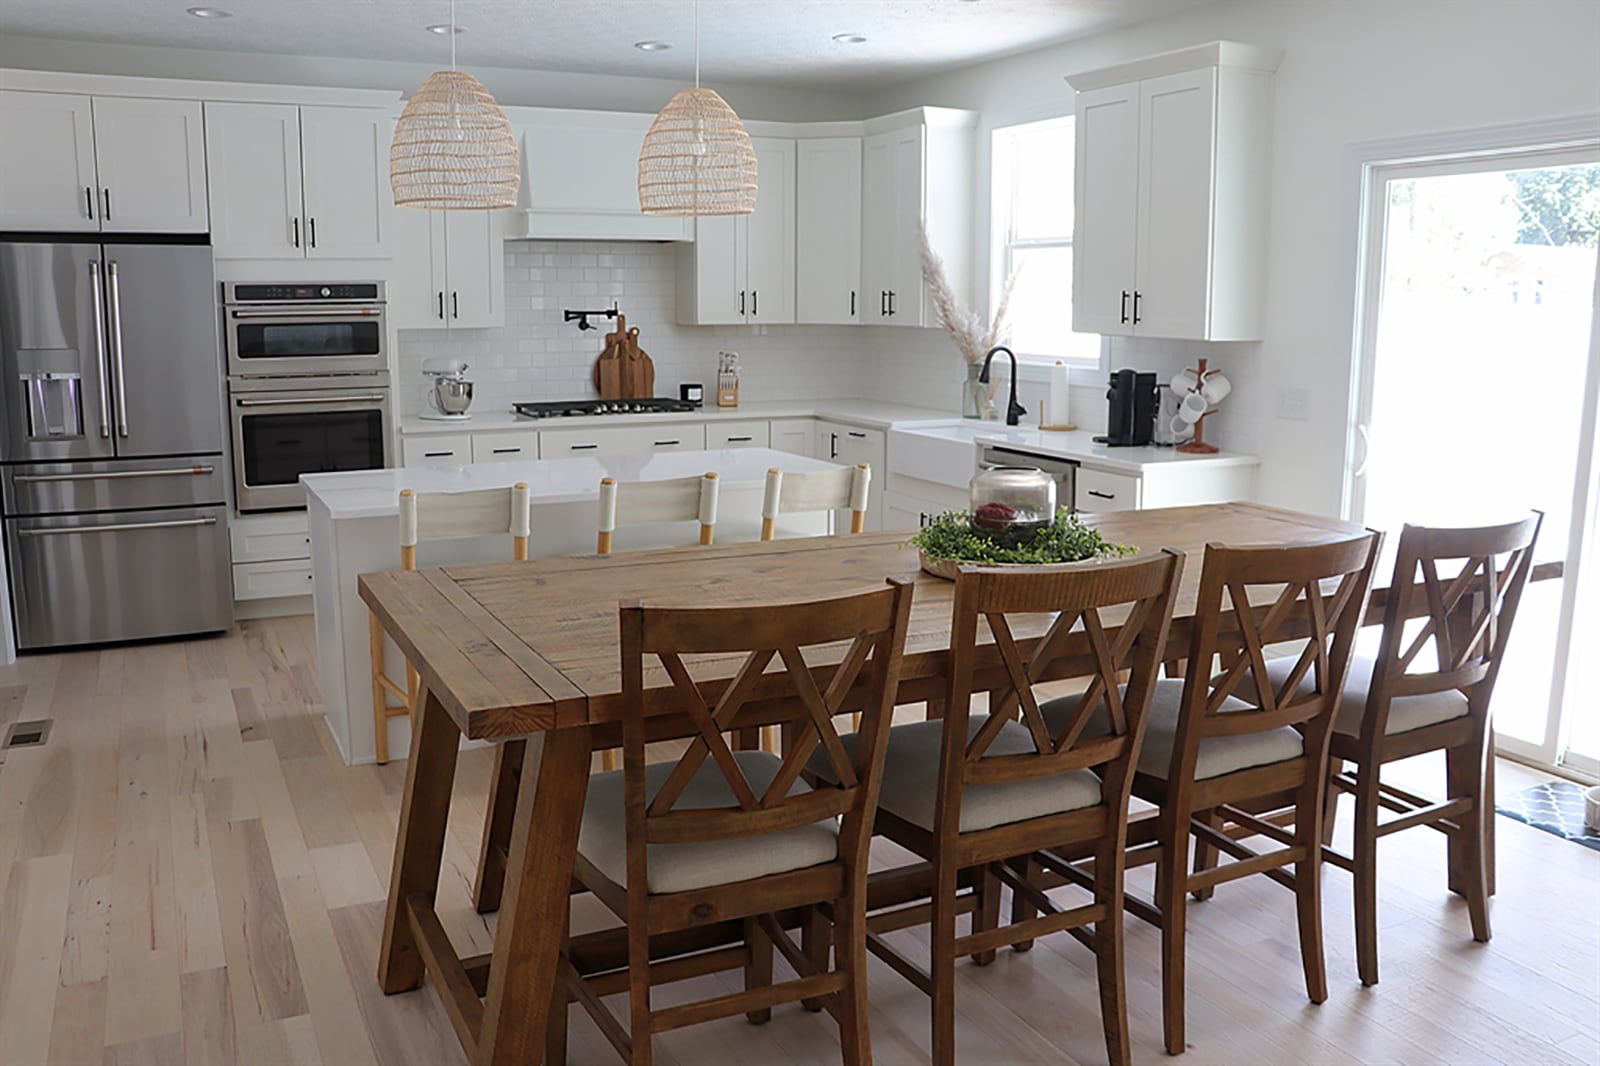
x=1065, y=471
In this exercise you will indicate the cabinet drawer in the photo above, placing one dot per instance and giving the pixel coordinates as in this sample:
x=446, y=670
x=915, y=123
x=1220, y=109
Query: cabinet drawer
x=261, y=581
x=671, y=436
x=270, y=538
x=1100, y=490
x=437, y=449
x=737, y=435
x=504, y=447
x=675, y=437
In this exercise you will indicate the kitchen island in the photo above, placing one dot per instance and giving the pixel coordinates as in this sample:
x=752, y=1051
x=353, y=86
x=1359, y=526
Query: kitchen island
x=354, y=530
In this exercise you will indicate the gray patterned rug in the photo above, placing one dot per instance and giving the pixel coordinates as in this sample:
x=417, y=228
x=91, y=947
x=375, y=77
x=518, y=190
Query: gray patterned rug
x=1555, y=806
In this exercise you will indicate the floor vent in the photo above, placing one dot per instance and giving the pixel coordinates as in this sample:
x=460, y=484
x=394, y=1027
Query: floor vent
x=28, y=734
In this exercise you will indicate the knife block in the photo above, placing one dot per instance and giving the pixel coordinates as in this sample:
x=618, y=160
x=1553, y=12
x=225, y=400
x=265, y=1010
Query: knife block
x=727, y=389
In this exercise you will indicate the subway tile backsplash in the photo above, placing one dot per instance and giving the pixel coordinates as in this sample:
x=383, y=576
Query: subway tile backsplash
x=537, y=356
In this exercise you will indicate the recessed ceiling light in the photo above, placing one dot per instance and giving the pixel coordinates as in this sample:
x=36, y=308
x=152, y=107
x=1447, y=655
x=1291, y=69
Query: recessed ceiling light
x=849, y=38
x=652, y=46
x=210, y=13
x=444, y=29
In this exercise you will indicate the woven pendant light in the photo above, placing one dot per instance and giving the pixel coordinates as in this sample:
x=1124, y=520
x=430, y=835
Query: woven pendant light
x=453, y=148
x=697, y=158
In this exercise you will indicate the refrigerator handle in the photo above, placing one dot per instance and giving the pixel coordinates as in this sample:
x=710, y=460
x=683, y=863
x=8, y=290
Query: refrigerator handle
x=116, y=349
x=100, y=347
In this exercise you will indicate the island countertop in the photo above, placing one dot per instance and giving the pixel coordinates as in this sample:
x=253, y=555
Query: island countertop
x=376, y=493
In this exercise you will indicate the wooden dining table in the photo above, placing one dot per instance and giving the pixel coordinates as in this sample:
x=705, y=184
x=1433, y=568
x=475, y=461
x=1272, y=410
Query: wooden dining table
x=529, y=651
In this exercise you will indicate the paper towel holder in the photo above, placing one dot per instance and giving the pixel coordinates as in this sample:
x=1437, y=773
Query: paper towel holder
x=1046, y=413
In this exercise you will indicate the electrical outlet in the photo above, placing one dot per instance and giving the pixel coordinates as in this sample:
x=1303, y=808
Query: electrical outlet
x=1293, y=404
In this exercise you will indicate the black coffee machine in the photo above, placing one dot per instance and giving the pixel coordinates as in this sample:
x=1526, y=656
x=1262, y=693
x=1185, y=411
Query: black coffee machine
x=1132, y=416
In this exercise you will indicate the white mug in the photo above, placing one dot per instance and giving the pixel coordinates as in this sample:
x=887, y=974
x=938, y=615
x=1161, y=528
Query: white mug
x=1215, y=387
x=1181, y=429
x=1194, y=405
x=1182, y=381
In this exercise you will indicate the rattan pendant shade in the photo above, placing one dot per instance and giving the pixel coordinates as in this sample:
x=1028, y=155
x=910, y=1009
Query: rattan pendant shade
x=453, y=148
x=697, y=159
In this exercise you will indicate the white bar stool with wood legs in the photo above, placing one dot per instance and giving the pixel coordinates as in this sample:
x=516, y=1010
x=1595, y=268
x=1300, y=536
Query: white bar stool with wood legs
x=816, y=490
x=439, y=516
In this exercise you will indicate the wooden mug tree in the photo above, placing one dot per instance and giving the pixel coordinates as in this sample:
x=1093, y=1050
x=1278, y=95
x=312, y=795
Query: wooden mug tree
x=1197, y=444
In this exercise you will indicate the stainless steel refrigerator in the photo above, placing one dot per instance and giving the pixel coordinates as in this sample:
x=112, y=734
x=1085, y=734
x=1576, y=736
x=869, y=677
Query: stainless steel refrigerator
x=112, y=474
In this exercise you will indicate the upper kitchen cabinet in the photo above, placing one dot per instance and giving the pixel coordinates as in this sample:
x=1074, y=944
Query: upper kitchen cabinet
x=290, y=182
x=1170, y=194
x=917, y=170
x=741, y=268
x=117, y=164
x=827, y=272
x=449, y=269
x=580, y=177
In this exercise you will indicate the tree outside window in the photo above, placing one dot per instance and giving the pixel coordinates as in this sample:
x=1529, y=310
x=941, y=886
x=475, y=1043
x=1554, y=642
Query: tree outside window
x=1032, y=225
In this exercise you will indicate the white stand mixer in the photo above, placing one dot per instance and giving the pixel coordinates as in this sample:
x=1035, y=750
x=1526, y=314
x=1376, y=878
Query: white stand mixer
x=451, y=393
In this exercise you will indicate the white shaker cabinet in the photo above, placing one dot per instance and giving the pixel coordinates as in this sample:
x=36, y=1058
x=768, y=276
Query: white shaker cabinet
x=1172, y=160
x=798, y=436
x=917, y=171
x=47, y=176
x=290, y=182
x=72, y=163
x=151, y=159
x=827, y=276
x=741, y=268
x=449, y=270
x=848, y=445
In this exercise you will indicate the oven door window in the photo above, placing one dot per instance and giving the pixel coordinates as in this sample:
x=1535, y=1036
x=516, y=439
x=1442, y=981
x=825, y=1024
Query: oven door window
x=278, y=448
x=317, y=340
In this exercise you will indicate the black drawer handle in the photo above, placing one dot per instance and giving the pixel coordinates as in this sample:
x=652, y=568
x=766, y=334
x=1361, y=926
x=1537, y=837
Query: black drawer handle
x=1103, y=495
x=584, y=447
x=738, y=440
x=506, y=451
x=665, y=443
x=861, y=436
x=437, y=455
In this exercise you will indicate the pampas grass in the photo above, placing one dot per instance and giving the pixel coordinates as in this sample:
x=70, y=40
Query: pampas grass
x=966, y=328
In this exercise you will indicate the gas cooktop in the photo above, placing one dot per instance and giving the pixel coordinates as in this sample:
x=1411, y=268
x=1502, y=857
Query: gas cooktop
x=574, y=408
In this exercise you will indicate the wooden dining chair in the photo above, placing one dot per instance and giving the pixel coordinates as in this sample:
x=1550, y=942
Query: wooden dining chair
x=438, y=516
x=1428, y=689
x=1218, y=751
x=637, y=503
x=976, y=795
x=738, y=835
x=816, y=490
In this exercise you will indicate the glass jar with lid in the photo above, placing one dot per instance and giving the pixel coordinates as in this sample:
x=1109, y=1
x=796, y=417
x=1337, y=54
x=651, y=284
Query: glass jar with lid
x=1012, y=504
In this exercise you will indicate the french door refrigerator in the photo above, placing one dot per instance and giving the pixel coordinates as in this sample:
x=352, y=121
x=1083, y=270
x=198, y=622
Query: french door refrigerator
x=112, y=477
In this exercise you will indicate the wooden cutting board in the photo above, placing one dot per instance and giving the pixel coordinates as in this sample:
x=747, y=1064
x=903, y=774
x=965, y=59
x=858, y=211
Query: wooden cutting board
x=638, y=372
x=608, y=369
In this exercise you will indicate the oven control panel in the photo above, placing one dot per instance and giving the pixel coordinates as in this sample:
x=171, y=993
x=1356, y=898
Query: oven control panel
x=344, y=292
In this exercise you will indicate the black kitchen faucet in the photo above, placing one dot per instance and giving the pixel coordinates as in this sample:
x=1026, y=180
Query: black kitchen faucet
x=1014, y=410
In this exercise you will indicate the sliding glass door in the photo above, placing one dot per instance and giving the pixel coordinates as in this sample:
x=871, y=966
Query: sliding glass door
x=1476, y=393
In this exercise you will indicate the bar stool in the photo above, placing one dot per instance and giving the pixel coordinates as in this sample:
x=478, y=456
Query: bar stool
x=438, y=516
x=816, y=490
x=638, y=503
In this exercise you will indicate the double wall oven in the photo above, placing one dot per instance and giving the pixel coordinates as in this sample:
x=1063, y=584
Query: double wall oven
x=308, y=386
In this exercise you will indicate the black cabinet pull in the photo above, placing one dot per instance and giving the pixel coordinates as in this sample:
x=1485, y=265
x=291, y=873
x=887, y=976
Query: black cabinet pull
x=740, y=440
x=1124, y=305
x=741, y=301
x=853, y=433
x=455, y=307
x=1102, y=495
x=833, y=446
x=105, y=195
x=506, y=451
x=88, y=196
x=436, y=455
x=296, y=222
x=852, y=303
x=891, y=301
x=584, y=447
x=1136, y=295
x=667, y=443
x=883, y=302
x=311, y=229
x=441, y=305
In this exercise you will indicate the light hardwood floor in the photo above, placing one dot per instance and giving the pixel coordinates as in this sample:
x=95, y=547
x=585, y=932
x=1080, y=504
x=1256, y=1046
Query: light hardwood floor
x=189, y=874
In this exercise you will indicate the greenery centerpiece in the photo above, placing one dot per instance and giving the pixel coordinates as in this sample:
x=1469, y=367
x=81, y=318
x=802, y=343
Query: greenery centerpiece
x=953, y=538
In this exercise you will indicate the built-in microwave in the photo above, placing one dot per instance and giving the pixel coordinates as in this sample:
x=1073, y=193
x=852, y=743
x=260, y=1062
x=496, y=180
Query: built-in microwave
x=295, y=328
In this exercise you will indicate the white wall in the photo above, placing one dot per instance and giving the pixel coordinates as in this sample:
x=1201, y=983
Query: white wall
x=528, y=88
x=1353, y=71
x=537, y=356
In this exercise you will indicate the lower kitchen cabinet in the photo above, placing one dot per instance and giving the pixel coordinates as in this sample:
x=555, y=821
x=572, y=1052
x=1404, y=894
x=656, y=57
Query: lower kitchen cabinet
x=271, y=555
x=669, y=436
x=798, y=436
x=265, y=581
x=505, y=447
x=1099, y=491
x=738, y=435
x=847, y=444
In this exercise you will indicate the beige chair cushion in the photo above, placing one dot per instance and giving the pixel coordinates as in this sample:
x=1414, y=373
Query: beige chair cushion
x=681, y=867
x=1405, y=713
x=911, y=779
x=1217, y=755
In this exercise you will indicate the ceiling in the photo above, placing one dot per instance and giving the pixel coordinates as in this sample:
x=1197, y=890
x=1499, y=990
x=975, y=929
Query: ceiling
x=783, y=42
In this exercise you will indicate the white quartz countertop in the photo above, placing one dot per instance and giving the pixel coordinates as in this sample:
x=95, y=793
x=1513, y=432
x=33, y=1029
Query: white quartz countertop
x=1080, y=445
x=868, y=413
x=376, y=493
